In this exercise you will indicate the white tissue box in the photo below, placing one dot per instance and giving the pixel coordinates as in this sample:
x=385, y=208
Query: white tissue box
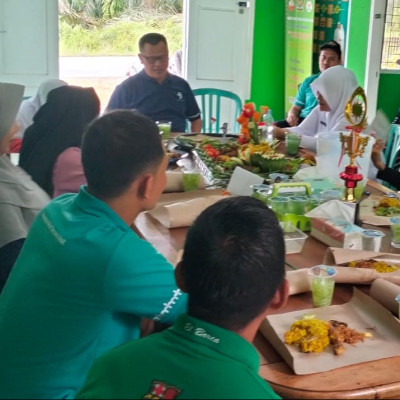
x=348, y=236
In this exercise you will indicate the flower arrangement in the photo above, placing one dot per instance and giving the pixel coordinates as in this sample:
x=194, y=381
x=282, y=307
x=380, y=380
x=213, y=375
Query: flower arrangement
x=248, y=120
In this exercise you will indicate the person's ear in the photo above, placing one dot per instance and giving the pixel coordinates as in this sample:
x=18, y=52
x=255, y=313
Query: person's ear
x=145, y=186
x=180, y=281
x=280, y=296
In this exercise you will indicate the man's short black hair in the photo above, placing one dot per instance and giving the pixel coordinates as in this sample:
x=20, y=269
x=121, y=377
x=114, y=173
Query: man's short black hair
x=332, y=45
x=151, y=38
x=117, y=148
x=233, y=262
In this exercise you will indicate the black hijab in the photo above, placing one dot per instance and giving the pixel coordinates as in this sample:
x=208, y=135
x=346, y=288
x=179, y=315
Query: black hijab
x=58, y=124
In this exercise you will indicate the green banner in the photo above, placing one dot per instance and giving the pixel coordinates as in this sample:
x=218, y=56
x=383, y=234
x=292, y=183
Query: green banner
x=331, y=20
x=299, y=26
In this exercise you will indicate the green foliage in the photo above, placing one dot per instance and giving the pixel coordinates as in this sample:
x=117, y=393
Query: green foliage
x=118, y=37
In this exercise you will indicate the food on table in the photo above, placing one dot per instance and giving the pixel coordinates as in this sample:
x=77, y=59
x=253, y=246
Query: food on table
x=379, y=266
x=174, y=155
x=388, y=206
x=313, y=335
x=222, y=157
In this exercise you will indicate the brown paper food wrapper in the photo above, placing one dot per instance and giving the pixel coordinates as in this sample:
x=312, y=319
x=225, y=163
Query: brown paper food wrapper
x=182, y=213
x=385, y=293
x=337, y=256
x=367, y=214
x=299, y=280
x=174, y=182
x=362, y=313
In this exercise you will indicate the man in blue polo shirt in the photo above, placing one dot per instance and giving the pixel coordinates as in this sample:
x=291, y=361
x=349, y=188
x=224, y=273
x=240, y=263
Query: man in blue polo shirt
x=155, y=92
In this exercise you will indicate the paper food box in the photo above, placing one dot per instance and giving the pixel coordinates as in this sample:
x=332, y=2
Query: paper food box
x=336, y=234
x=362, y=313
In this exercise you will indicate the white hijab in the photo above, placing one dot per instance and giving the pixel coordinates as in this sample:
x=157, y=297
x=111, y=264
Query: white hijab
x=336, y=85
x=30, y=107
x=20, y=198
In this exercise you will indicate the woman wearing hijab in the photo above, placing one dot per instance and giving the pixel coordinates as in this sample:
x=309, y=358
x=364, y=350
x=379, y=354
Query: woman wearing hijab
x=57, y=126
x=20, y=198
x=333, y=88
x=30, y=107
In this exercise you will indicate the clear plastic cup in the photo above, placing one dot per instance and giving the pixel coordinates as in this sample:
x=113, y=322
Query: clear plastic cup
x=292, y=142
x=322, y=284
x=398, y=301
x=332, y=194
x=279, y=204
x=298, y=204
x=190, y=180
x=263, y=195
x=372, y=239
x=165, y=129
x=395, y=231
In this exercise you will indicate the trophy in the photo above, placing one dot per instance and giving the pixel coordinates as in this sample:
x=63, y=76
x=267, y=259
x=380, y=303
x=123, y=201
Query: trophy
x=353, y=144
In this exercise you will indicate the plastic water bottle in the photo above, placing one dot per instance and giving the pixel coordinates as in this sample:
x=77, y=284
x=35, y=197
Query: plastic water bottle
x=269, y=121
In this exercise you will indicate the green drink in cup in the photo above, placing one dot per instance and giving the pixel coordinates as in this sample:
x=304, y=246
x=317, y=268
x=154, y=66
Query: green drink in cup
x=322, y=284
x=190, y=180
x=292, y=142
x=165, y=129
x=395, y=231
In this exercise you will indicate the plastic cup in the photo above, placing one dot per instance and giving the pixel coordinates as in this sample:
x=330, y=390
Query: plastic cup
x=331, y=194
x=395, y=231
x=165, y=129
x=279, y=204
x=263, y=195
x=297, y=204
x=259, y=186
x=372, y=239
x=292, y=142
x=314, y=200
x=398, y=301
x=190, y=180
x=322, y=284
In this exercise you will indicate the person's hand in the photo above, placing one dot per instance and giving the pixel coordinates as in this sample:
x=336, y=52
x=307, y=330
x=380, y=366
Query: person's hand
x=376, y=154
x=292, y=119
x=279, y=133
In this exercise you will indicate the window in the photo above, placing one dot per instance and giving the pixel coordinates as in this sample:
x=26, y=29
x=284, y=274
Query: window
x=391, y=40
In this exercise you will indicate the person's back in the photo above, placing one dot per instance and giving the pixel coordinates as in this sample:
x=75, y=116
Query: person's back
x=84, y=279
x=233, y=271
x=21, y=199
x=58, y=125
x=191, y=360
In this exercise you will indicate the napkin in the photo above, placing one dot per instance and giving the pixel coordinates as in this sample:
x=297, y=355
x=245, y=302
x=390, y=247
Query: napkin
x=182, y=213
x=385, y=292
x=333, y=210
x=174, y=182
x=239, y=184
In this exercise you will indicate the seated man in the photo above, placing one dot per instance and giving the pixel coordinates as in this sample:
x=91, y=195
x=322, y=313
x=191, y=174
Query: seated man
x=155, y=92
x=84, y=279
x=305, y=101
x=233, y=271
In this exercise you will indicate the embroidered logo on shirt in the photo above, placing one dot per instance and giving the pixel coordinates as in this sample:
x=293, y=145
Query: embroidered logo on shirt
x=160, y=390
x=179, y=96
x=200, y=332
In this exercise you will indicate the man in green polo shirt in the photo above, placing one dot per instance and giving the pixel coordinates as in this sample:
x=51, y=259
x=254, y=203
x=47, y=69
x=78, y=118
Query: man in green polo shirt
x=233, y=271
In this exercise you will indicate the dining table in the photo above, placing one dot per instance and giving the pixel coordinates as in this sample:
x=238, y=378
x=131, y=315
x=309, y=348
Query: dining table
x=376, y=379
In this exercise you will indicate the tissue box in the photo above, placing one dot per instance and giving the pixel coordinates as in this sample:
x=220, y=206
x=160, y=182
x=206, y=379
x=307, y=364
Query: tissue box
x=347, y=235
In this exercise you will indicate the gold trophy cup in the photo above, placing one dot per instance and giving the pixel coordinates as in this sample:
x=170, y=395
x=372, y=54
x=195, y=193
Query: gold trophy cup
x=353, y=144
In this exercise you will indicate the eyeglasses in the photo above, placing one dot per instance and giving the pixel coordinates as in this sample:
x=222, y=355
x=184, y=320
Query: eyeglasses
x=153, y=60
